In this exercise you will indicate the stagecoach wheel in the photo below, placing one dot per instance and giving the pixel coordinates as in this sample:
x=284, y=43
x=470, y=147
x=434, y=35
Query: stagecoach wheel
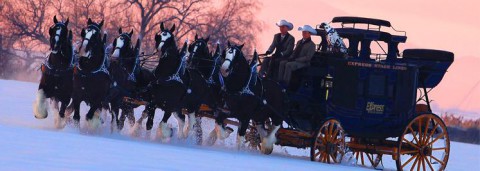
x=252, y=138
x=424, y=144
x=367, y=159
x=328, y=143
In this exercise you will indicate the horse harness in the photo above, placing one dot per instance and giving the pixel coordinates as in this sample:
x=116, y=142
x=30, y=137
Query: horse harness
x=49, y=70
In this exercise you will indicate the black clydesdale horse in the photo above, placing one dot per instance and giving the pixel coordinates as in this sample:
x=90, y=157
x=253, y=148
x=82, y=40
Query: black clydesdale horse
x=57, y=73
x=168, y=88
x=249, y=98
x=91, y=81
x=128, y=77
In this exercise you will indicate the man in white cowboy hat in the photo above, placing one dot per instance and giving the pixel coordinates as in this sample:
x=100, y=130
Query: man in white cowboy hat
x=301, y=55
x=283, y=44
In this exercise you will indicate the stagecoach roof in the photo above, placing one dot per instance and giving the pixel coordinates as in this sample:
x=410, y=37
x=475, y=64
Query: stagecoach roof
x=362, y=34
x=361, y=20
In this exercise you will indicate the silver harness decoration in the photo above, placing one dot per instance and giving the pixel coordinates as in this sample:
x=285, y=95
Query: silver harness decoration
x=102, y=68
x=210, y=80
x=246, y=89
x=131, y=76
x=176, y=76
x=47, y=64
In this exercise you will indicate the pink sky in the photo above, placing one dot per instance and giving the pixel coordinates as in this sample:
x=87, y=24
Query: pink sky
x=436, y=24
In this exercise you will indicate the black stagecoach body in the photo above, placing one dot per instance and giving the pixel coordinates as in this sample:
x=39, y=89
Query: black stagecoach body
x=371, y=97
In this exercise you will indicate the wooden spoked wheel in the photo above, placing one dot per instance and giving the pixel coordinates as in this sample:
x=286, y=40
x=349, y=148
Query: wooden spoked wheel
x=424, y=144
x=328, y=143
x=367, y=159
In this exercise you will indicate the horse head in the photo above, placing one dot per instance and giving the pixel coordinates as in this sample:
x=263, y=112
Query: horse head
x=122, y=45
x=233, y=56
x=59, y=35
x=165, y=38
x=91, y=38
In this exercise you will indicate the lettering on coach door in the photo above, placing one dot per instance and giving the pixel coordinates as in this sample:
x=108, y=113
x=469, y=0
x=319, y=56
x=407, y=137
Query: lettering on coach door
x=375, y=108
x=376, y=65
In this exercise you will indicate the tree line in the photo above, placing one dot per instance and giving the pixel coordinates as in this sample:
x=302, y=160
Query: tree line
x=25, y=23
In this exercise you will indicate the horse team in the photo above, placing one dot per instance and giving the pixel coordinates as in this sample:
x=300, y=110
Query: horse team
x=183, y=80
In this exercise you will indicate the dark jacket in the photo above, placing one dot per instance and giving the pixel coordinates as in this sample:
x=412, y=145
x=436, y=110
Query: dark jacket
x=282, y=47
x=303, y=51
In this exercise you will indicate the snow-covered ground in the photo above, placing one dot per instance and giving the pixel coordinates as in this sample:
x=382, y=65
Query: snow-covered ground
x=30, y=144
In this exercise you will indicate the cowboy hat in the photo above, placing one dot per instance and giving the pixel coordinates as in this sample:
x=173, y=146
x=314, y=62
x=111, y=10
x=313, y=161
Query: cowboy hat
x=285, y=23
x=307, y=28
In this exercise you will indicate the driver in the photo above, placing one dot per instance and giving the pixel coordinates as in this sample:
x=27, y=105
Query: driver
x=283, y=44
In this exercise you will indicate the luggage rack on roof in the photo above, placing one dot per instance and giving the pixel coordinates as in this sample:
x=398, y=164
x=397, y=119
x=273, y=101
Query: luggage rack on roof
x=369, y=21
x=365, y=36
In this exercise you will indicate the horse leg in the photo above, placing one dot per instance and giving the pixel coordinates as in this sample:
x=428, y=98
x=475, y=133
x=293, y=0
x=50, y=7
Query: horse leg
x=151, y=116
x=130, y=115
x=93, y=116
x=219, y=132
x=61, y=113
x=76, y=114
x=242, y=129
x=164, y=132
x=40, y=106
x=181, y=124
x=191, y=123
x=198, y=130
x=138, y=124
x=269, y=140
x=115, y=109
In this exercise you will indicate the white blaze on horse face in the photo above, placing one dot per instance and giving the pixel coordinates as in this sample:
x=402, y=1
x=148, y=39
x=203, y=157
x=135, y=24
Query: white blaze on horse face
x=195, y=48
x=57, y=35
x=165, y=36
x=88, y=35
x=57, y=38
x=120, y=42
x=228, y=59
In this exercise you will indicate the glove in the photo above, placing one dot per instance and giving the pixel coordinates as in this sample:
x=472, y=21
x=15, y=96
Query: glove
x=268, y=52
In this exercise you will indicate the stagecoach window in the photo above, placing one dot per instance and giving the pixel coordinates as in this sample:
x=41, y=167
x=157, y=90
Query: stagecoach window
x=376, y=86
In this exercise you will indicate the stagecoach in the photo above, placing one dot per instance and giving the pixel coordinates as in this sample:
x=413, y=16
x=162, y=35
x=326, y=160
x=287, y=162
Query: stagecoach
x=354, y=104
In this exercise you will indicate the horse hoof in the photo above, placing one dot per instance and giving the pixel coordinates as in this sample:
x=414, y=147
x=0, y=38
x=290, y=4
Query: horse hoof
x=94, y=123
x=149, y=123
x=40, y=106
x=267, y=145
x=228, y=131
x=212, y=137
x=164, y=132
x=60, y=123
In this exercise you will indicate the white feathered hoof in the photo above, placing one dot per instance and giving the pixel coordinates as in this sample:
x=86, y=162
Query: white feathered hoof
x=267, y=144
x=164, y=132
x=94, y=123
x=240, y=142
x=189, y=130
x=222, y=133
x=69, y=110
x=228, y=131
x=60, y=122
x=212, y=138
x=181, y=127
x=40, y=106
x=137, y=127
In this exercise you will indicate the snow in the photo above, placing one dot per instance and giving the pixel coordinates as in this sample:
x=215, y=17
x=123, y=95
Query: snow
x=27, y=143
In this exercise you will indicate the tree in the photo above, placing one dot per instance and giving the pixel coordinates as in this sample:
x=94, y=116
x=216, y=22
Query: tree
x=25, y=23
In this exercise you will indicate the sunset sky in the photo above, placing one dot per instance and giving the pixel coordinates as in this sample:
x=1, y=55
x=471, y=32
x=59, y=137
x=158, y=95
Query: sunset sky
x=436, y=24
